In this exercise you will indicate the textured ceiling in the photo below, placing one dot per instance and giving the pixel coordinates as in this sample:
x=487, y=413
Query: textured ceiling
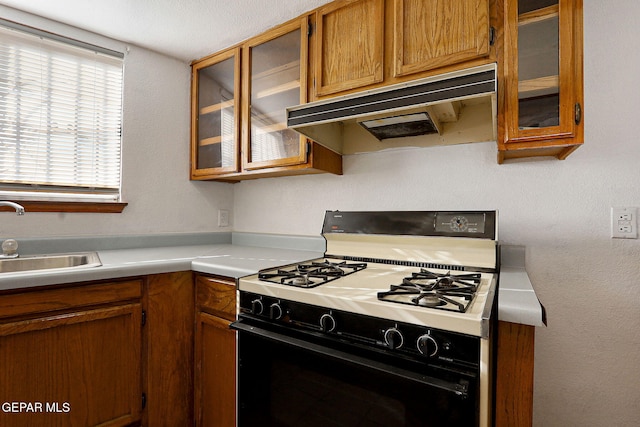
x=184, y=29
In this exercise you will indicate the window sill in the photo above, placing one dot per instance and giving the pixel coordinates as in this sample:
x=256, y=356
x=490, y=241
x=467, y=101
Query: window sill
x=87, y=207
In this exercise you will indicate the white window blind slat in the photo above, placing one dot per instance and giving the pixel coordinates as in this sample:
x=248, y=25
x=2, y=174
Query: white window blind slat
x=60, y=119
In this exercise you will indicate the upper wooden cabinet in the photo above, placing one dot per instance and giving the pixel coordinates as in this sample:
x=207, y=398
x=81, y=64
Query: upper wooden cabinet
x=368, y=43
x=215, y=115
x=541, y=79
x=239, y=98
x=350, y=45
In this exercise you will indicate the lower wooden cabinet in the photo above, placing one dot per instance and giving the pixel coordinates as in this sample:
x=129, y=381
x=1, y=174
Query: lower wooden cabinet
x=514, y=375
x=72, y=358
x=215, y=355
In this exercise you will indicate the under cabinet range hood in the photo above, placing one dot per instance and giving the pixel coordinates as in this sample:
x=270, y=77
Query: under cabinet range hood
x=450, y=108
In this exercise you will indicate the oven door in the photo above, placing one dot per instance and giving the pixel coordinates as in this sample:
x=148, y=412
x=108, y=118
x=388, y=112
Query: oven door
x=291, y=379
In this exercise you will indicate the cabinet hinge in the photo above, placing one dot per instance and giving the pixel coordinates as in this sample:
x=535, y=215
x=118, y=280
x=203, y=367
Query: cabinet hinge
x=144, y=317
x=309, y=29
x=492, y=36
x=144, y=400
x=308, y=149
x=578, y=113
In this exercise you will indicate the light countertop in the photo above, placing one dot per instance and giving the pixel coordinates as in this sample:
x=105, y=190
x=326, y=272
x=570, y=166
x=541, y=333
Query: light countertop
x=517, y=300
x=236, y=257
x=220, y=259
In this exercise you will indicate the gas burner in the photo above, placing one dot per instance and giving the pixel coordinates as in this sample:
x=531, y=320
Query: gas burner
x=434, y=290
x=428, y=300
x=300, y=281
x=428, y=280
x=311, y=274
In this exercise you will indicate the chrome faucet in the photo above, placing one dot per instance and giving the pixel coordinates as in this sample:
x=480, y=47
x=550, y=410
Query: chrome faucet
x=10, y=246
x=19, y=208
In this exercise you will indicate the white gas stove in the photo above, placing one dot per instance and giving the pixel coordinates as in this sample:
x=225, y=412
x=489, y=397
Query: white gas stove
x=417, y=288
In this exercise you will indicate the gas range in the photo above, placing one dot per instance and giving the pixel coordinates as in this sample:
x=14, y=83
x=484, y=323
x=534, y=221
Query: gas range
x=402, y=299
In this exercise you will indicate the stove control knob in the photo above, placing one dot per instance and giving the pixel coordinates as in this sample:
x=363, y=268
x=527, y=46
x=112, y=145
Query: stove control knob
x=393, y=338
x=327, y=323
x=275, y=311
x=427, y=345
x=256, y=306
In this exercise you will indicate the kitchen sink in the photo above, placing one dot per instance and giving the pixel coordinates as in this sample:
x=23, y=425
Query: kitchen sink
x=70, y=261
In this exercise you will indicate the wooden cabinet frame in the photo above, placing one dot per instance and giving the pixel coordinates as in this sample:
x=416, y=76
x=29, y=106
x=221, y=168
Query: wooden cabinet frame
x=557, y=141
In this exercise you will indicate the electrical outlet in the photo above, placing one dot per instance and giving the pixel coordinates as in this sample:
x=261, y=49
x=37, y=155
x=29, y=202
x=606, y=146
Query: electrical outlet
x=624, y=223
x=223, y=218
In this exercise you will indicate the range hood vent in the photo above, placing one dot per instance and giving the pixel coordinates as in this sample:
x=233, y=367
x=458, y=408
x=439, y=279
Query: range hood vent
x=418, y=107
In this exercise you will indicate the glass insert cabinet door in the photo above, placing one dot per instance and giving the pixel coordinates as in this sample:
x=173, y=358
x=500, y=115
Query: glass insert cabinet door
x=274, y=79
x=545, y=102
x=215, y=101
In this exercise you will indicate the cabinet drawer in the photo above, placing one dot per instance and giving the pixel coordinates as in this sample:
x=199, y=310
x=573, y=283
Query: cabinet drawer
x=40, y=301
x=216, y=296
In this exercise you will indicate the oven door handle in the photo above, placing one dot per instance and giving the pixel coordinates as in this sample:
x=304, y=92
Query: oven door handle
x=461, y=389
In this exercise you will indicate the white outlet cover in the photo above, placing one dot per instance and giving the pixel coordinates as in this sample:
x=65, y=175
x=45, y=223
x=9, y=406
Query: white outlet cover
x=223, y=218
x=624, y=223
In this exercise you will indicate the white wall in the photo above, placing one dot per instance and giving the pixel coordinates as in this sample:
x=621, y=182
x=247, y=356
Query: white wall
x=155, y=154
x=587, y=359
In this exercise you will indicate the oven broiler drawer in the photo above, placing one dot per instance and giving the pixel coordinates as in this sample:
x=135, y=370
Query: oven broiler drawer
x=426, y=345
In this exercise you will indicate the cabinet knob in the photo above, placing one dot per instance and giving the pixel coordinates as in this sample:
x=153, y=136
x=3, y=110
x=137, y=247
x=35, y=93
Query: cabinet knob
x=578, y=113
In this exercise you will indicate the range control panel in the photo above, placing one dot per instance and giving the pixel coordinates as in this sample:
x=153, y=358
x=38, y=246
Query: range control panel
x=475, y=224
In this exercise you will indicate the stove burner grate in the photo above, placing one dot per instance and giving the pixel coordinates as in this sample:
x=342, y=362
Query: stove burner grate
x=309, y=275
x=434, y=290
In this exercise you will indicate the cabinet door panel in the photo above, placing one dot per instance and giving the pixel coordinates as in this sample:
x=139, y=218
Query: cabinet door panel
x=215, y=372
x=350, y=45
x=215, y=115
x=82, y=368
x=433, y=33
x=274, y=79
x=542, y=79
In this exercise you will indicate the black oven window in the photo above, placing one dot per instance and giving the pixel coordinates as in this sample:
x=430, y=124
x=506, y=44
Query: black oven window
x=284, y=386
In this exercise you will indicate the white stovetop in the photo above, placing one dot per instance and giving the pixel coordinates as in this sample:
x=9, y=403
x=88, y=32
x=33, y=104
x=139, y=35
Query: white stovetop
x=357, y=293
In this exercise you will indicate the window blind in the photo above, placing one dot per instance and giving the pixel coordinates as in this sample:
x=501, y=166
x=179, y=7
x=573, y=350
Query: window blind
x=60, y=119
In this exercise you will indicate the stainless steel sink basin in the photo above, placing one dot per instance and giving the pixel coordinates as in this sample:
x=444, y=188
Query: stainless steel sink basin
x=71, y=261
